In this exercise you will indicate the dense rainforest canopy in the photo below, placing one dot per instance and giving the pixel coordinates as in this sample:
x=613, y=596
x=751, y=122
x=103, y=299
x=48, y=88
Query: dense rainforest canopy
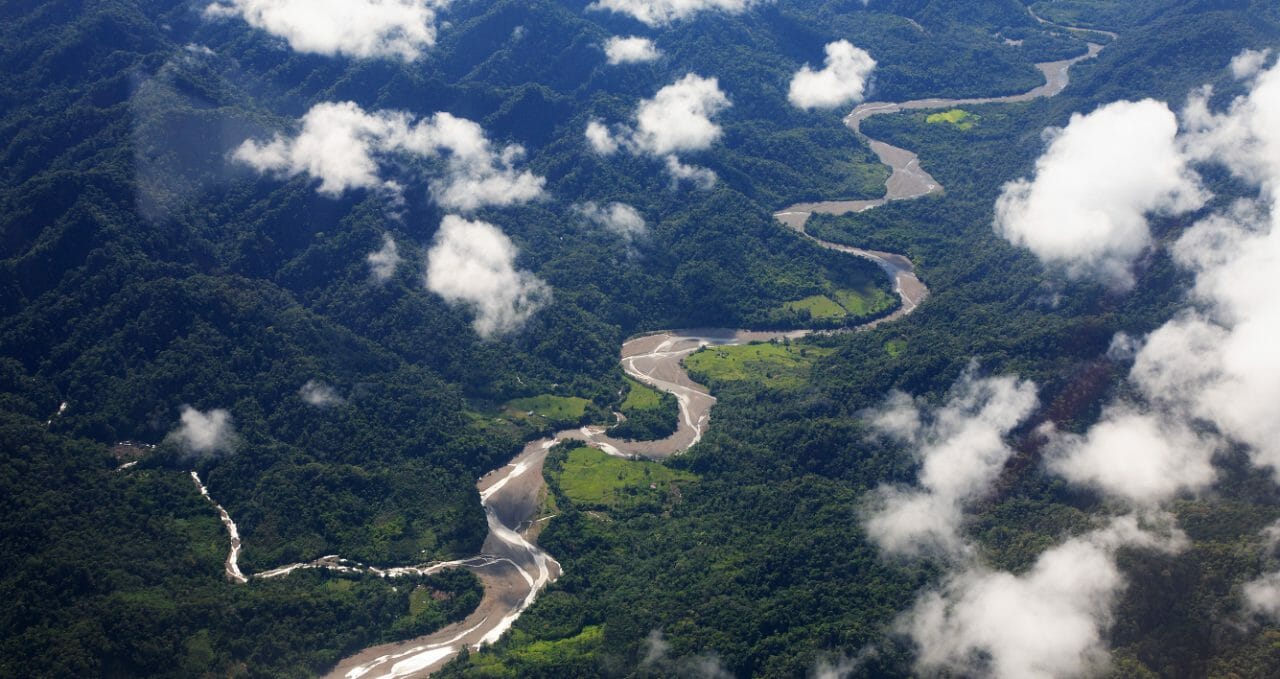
x=179, y=290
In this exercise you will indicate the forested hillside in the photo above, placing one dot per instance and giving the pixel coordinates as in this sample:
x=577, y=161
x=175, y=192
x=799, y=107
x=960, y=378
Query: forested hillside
x=190, y=282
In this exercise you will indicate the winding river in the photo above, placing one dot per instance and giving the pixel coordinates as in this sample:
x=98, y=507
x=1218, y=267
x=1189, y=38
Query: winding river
x=511, y=567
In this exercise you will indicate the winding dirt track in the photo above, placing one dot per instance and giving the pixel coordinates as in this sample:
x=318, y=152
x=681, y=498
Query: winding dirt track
x=511, y=567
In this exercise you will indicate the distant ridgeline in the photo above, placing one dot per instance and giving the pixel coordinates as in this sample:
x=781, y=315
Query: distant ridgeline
x=341, y=337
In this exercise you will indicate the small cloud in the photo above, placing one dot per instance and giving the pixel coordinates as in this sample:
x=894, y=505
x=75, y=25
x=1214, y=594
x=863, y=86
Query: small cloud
x=962, y=451
x=1244, y=138
x=678, y=117
x=843, y=80
x=1262, y=596
x=701, y=177
x=198, y=49
x=1249, y=63
x=472, y=263
x=1142, y=458
x=663, y=12
x=1086, y=209
x=205, y=434
x=1122, y=348
x=899, y=418
x=319, y=394
x=384, y=260
x=843, y=667
x=657, y=658
x=656, y=648
x=336, y=144
x=602, y=142
x=630, y=50
x=364, y=29
x=618, y=218
x=676, y=120
x=1050, y=621
x=344, y=147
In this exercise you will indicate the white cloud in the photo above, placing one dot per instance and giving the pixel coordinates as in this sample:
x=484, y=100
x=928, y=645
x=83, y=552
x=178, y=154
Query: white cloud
x=1143, y=458
x=472, y=263
x=1213, y=367
x=630, y=50
x=657, y=649
x=842, y=81
x=357, y=28
x=344, y=147
x=676, y=120
x=657, y=656
x=1245, y=138
x=384, y=260
x=1122, y=347
x=205, y=434
x=1047, y=622
x=701, y=177
x=962, y=451
x=1050, y=621
x=1218, y=363
x=842, y=667
x=1272, y=535
x=1249, y=63
x=336, y=145
x=602, y=142
x=663, y=12
x=319, y=394
x=899, y=418
x=678, y=117
x=1262, y=596
x=618, y=218
x=1101, y=175
x=477, y=174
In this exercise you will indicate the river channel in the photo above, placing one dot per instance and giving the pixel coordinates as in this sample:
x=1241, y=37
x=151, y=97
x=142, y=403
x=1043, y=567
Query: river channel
x=511, y=566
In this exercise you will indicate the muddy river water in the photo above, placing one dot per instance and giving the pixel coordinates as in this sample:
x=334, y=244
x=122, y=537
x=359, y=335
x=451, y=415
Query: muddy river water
x=511, y=567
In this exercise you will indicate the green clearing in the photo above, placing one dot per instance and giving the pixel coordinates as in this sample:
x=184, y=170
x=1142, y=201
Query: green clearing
x=568, y=409
x=819, y=307
x=339, y=585
x=650, y=414
x=590, y=477
x=958, y=117
x=869, y=301
x=420, y=600
x=841, y=304
x=533, y=657
x=784, y=366
x=641, y=396
x=550, y=652
x=895, y=347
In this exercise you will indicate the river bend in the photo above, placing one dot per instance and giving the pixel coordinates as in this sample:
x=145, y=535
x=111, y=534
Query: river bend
x=511, y=567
